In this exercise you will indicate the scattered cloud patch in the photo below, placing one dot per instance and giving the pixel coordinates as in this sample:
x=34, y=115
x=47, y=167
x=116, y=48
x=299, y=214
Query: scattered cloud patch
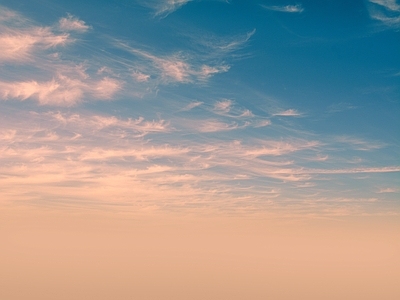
x=298, y=8
x=192, y=105
x=359, y=144
x=339, y=107
x=71, y=23
x=385, y=11
x=174, y=68
x=262, y=123
x=20, y=45
x=215, y=126
x=165, y=7
x=60, y=91
x=140, y=77
x=288, y=113
x=388, y=190
x=235, y=43
x=223, y=106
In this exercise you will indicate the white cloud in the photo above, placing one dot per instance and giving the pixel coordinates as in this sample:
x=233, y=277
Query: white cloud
x=214, y=126
x=385, y=11
x=173, y=68
x=287, y=8
x=288, y=113
x=20, y=45
x=192, y=105
x=388, y=190
x=390, y=169
x=388, y=4
x=62, y=90
x=223, y=106
x=140, y=77
x=234, y=43
x=262, y=123
x=71, y=23
x=359, y=144
x=165, y=7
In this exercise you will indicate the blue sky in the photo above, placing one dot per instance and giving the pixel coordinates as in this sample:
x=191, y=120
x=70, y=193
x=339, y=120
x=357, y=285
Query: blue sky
x=205, y=105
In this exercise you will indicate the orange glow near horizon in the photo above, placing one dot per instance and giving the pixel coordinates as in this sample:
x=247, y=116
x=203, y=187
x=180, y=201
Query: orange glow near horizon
x=104, y=255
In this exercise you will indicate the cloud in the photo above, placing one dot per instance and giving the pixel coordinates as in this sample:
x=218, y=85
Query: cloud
x=223, y=106
x=174, y=68
x=390, y=169
x=165, y=7
x=214, y=126
x=359, y=144
x=262, y=123
x=339, y=107
x=287, y=8
x=288, y=113
x=71, y=23
x=128, y=128
x=61, y=91
x=235, y=43
x=140, y=77
x=385, y=11
x=388, y=4
x=277, y=148
x=20, y=45
x=95, y=157
x=192, y=105
x=387, y=190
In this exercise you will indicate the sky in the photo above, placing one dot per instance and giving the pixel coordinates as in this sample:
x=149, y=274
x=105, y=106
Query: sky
x=200, y=143
x=208, y=105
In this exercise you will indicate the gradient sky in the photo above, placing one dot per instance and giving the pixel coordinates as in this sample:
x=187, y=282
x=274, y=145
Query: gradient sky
x=179, y=105
x=199, y=149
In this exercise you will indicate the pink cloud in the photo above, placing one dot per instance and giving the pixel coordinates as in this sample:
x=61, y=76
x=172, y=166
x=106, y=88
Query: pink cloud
x=71, y=23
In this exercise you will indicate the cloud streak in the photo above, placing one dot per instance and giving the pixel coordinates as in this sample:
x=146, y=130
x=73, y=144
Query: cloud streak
x=60, y=91
x=288, y=113
x=286, y=8
x=385, y=11
x=165, y=7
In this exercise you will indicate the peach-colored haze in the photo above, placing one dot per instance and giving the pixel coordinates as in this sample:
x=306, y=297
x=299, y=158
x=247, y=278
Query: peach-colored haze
x=110, y=255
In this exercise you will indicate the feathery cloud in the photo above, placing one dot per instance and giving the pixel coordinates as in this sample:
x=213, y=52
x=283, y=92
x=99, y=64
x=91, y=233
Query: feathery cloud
x=287, y=8
x=192, y=105
x=20, y=45
x=288, y=113
x=174, y=68
x=62, y=90
x=385, y=11
x=166, y=7
x=71, y=23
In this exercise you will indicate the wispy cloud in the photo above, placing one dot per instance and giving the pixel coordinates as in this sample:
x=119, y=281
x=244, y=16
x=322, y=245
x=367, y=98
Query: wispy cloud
x=262, y=123
x=140, y=77
x=223, y=106
x=387, y=190
x=298, y=8
x=359, y=144
x=62, y=90
x=215, y=125
x=288, y=113
x=162, y=8
x=54, y=81
x=339, y=107
x=192, y=105
x=175, y=68
x=235, y=43
x=87, y=157
x=20, y=45
x=385, y=11
x=71, y=23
